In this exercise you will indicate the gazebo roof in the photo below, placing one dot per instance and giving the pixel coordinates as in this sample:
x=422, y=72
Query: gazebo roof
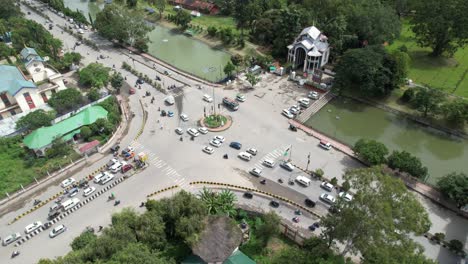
x=218, y=240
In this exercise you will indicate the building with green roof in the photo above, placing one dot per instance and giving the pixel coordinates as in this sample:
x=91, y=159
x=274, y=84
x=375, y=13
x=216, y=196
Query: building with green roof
x=238, y=257
x=40, y=139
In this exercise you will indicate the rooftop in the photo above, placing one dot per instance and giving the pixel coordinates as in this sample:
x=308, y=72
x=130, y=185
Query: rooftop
x=45, y=135
x=12, y=80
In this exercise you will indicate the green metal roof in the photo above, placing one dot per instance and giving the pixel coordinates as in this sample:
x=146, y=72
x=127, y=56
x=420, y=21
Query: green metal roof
x=238, y=257
x=45, y=135
x=12, y=80
x=28, y=51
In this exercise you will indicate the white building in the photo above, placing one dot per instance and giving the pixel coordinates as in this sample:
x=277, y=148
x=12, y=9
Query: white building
x=309, y=50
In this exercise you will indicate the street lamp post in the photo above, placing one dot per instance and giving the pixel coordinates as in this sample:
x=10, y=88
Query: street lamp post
x=308, y=162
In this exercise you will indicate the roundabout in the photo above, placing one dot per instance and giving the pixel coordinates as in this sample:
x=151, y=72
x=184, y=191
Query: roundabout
x=216, y=122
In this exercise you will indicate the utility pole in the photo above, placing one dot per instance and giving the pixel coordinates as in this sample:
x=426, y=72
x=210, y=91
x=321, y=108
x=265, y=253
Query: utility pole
x=308, y=162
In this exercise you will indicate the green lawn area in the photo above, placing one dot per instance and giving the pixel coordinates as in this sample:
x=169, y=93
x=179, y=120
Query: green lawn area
x=449, y=74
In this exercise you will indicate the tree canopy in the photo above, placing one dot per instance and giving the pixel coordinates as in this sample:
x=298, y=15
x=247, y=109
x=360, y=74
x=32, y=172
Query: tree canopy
x=35, y=119
x=371, y=151
x=379, y=220
x=441, y=25
x=455, y=187
x=66, y=100
x=406, y=162
x=9, y=8
x=427, y=100
x=94, y=75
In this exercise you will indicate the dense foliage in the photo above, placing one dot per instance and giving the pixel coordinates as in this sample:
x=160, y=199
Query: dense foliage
x=406, y=162
x=66, y=100
x=35, y=119
x=94, y=75
x=371, y=151
x=455, y=187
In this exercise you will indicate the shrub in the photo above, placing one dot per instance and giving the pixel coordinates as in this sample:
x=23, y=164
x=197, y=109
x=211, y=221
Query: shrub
x=406, y=162
x=319, y=173
x=371, y=151
x=439, y=237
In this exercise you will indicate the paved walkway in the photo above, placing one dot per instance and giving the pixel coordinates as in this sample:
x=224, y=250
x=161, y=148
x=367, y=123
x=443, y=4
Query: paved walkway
x=315, y=107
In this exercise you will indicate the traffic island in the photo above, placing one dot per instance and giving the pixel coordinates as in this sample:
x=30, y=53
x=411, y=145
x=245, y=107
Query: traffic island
x=216, y=123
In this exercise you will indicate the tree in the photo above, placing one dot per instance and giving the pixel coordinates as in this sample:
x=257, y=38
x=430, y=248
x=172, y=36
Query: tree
x=94, y=75
x=406, y=162
x=86, y=132
x=8, y=9
x=212, y=31
x=456, y=111
x=116, y=80
x=269, y=227
x=86, y=238
x=428, y=100
x=245, y=12
x=229, y=68
x=236, y=59
x=93, y=95
x=132, y=3
x=5, y=51
x=70, y=58
x=59, y=148
x=35, y=119
x=455, y=187
x=441, y=25
x=381, y=216
x=183, y=18
x=66, y=100
x=370, y=71
x=252, y=79
x=457, y=246
x=371, y=151
x=160, y=5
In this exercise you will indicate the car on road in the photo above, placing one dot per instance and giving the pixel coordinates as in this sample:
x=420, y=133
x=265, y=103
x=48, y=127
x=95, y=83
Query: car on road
x=309, y=203
x=215, y=143
x=248, y=195
x=193, y=132
x=179, y=131
x=287, y=114
x=235, y=145
x=73, y=192
x=67, y=182
x=268, y=163
x=184, y=117
x=126, y=168
x=287, y=166
x=220, y=138
x=325, y=145
x=115, y=148
x=88, y=191
x=245, y=156
x=274, y=204
x=330, y=199
x=101, y=175
x=252, y=151
x=207, y=98
x=346, y=196
x=208, y=149
x=240, y=97
x=169, y=100
x=327, y=186
x=57, y=231
x=111, y=162
x=256, y=172
x=107, y=178
x=53, y=214
x=30, y=228
x=140, y=81
x=203, y=130
x=170, y=113
x=295, y=219
x=313, y=95
x=11, y=238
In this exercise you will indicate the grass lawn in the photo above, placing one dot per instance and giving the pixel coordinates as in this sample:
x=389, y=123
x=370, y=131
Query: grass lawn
x=213, y=121
x=449, y=74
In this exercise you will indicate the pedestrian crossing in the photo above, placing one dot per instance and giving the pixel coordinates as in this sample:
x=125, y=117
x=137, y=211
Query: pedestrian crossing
x=275, y=154
x=163, y=166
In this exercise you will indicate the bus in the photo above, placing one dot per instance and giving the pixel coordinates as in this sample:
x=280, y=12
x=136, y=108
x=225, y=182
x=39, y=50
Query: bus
x=231, y=104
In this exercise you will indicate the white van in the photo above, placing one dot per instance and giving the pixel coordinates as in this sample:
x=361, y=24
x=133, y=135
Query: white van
x=207, y=98
x=245, y=156
x=29, y=228
x=269, y=163
x=303, y=180
x=70, y=203
x=99, y=177
x=169, y=100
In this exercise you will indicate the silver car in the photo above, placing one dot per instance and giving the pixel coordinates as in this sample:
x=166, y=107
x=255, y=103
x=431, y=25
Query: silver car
x=57, y=231
x=11, y=238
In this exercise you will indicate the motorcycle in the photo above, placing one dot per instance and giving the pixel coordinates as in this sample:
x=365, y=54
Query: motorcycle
x=14, y=254
x=181, y=139
x=142, y=204
x=110, y=198
x=296, y=219
x=298, y=212
x=36, y=202
x=263, y=181
x=280, y=180
x=117, y=202
x=225, y=156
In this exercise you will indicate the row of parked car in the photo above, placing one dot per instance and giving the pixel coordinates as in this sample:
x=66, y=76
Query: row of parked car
x=303, y=103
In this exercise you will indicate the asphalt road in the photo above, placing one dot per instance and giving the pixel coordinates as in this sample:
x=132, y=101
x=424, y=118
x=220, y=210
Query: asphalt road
x=258, y=123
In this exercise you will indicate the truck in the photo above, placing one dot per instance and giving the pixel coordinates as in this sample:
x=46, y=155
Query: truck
x=230, y=103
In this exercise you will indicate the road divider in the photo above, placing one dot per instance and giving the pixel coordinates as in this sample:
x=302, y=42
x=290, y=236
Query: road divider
x=162, y=190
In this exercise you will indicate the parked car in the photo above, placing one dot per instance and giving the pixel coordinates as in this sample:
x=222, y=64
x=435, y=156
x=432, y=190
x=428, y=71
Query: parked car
x=304, y=102
x=207, y=98
x=325, y=145
x=220, y=138
x=101, y=175
x=30, y=228
x=203, y=130
x=330, y=199
x=287, y=114
x=287, y=166
x=346, y=196
x=111, y=162
x=57, y=231
x=193, y=132
x=235, y=145
x=268, y=163
x=67, y=182
x=215, y=142
x=240, y=97
x=126, y=168
x=11, y=238
x=309, y=203
x=170, y=113
x=294, y=110
x=208, y=150
x=252, y=151
x=313, y=95
x=274, y=204
x=245, y=156
x=179, y=131
x=256, y=172
x=184, y=117
x=107, y=179
x=327, y=186
x=248, y=195
x=115, y=148
x=73, y=192
x=88, y=191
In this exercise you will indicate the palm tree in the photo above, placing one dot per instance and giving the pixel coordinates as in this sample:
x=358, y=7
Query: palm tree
x=226, y=200
x=209, y=198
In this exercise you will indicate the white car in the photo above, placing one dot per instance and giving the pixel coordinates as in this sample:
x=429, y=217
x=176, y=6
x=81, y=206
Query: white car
x=269, y=163
x=11, y=238
x=203, y=130
x=184, y=117
x=30, y=228
x=245, y=156
x=193, y=132
x=325, y=145
x=67, y=182
x=330, y=199
x=111, y=162
x=346, y=196
x=88, y=191
x=108, y=178
x=327, y=186
x=101, y=175
x=294, y=110
x=313, y=95
x=220, y=138
x=179, y=131
x=57, y=231
x=207, y=98
x=304, y=102
x=252, y=151
x=208, y=150
x=240, y=97
x=287, y=114
x=215, y=143
x=256, y=172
